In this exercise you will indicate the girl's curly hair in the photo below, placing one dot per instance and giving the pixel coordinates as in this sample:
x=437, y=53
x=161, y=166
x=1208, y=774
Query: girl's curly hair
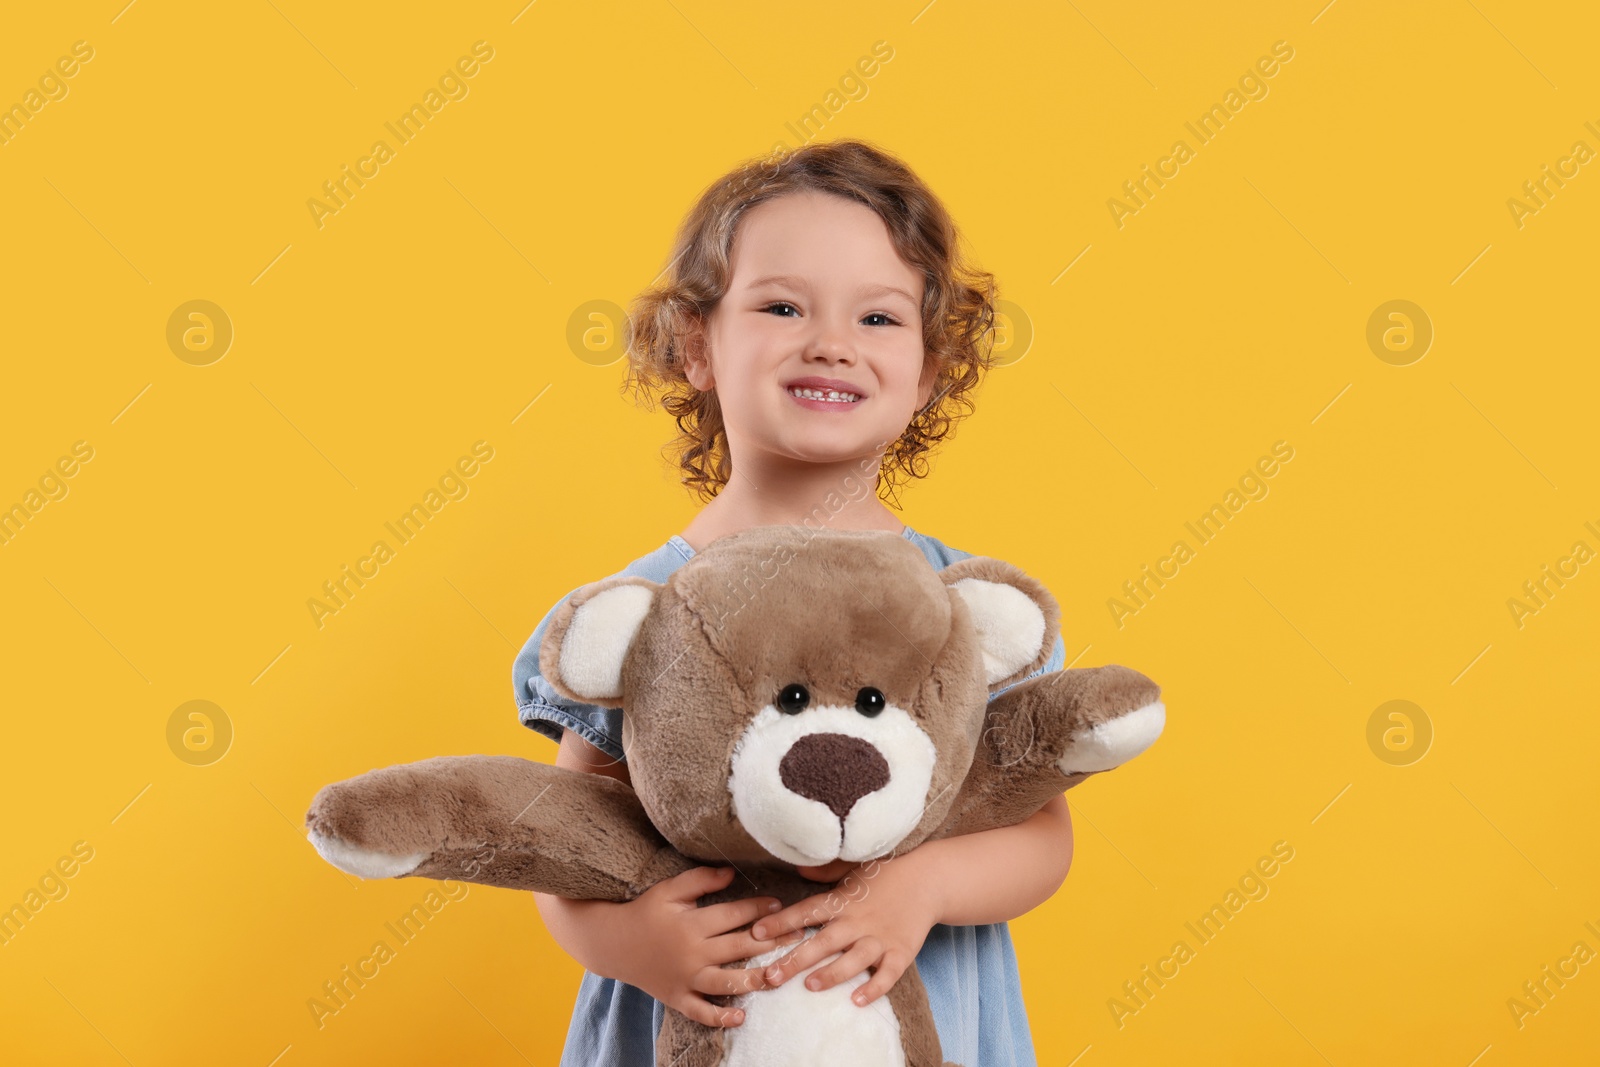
x=957, y=302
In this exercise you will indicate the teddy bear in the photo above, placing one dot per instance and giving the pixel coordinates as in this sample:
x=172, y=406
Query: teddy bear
x=791, y=697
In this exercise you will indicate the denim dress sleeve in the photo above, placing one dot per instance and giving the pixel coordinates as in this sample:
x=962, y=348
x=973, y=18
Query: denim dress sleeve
x=974, y=987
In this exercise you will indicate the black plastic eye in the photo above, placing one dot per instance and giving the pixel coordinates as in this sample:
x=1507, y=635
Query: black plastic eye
x=793, y=698
x=869, y=701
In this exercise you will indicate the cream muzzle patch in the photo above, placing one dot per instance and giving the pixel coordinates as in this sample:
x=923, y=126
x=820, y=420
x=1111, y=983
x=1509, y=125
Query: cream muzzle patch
x=829, y=783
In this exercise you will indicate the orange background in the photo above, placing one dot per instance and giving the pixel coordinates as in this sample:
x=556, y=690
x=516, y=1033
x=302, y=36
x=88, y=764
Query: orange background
x=1150, y=365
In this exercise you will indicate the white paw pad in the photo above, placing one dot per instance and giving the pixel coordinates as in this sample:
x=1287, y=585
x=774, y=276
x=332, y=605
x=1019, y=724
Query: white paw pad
x=361, y=862
x=1111, y=744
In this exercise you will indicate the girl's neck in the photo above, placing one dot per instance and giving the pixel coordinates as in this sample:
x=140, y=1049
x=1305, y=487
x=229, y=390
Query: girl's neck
x=835, y=496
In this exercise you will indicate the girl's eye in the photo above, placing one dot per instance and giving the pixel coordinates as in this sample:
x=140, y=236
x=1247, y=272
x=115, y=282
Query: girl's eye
x=888, y=320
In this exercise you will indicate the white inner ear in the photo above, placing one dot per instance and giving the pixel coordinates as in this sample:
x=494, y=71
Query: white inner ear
x=1010, y=625
x=598, y=639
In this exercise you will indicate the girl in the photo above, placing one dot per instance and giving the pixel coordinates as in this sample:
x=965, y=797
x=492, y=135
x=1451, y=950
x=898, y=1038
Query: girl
x=813, y=336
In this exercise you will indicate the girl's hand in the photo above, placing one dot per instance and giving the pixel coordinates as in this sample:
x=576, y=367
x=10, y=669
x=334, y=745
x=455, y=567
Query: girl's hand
x=878, y=916
x=665, y=944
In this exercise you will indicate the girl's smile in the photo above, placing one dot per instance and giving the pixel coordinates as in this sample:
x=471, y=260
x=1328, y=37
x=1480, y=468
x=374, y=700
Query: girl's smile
x=825, y=394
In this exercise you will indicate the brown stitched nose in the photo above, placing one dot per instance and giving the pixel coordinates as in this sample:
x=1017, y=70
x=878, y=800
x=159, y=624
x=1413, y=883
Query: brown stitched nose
x=836, y=769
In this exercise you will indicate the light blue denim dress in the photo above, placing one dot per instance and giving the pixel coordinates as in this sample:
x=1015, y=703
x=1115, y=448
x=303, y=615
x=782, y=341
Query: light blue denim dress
x=970, y=971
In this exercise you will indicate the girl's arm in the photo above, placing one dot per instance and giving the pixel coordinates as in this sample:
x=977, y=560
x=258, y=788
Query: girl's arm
x=880, y=914
x=1000, y=874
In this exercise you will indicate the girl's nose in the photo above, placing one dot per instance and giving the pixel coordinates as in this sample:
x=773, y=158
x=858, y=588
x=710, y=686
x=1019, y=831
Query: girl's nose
x=830, y=343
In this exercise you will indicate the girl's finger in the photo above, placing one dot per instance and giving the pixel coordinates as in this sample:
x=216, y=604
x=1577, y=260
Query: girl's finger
x=862, y=954
x=828, y=940
x=739, y=946
x=689, y=886
x=732, y=914
x=809, y=912
x=888, y=971
x=727, y=981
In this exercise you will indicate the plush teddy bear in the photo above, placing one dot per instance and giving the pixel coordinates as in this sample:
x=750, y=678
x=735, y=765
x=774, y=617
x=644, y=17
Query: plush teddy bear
x=791, y=697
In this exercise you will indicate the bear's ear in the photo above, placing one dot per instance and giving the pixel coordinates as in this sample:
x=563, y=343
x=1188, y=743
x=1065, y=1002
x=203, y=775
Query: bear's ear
x=1016, y=618
x=588, y=638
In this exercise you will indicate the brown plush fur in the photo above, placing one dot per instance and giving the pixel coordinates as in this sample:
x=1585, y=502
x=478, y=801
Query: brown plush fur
x=727, y=631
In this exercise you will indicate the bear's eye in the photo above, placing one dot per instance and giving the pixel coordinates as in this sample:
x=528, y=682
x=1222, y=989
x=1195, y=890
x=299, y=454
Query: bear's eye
x=793, y=698
x=869, y=701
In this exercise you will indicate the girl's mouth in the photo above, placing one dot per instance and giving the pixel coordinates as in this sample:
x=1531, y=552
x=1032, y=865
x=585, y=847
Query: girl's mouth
x=824, y=399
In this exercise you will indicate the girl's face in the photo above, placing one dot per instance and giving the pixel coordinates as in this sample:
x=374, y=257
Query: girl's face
x=817, y=291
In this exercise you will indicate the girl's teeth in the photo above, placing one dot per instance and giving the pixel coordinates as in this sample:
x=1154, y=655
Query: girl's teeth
x=825, y=394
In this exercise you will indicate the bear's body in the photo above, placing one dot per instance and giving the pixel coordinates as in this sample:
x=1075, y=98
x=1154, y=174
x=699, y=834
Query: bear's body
x=791, y=698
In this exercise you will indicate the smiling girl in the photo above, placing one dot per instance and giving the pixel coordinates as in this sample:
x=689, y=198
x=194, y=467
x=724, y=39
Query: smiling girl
x=816, y=321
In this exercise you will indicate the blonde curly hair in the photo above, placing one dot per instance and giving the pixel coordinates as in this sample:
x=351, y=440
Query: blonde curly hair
x=957, y=302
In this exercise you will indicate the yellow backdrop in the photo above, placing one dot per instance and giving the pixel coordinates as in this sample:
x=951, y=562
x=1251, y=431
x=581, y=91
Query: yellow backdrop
x=1308, y=293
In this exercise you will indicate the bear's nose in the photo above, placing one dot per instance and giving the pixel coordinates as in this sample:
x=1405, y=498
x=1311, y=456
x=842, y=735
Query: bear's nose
x=836, y=769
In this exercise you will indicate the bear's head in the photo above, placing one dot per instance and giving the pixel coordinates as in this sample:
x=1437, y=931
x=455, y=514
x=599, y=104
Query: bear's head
x=793, y=696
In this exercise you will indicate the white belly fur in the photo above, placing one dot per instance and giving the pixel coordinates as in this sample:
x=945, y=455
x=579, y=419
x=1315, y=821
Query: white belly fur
x=793, y=1026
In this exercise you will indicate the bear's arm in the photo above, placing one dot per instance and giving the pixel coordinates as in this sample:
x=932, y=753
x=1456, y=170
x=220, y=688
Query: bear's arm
x=1046, y=735
x=494, y=820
